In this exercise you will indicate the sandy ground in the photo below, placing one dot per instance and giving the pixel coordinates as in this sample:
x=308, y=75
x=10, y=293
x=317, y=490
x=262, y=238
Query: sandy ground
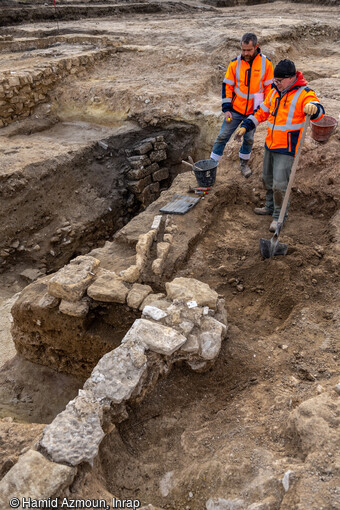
x=229, y=433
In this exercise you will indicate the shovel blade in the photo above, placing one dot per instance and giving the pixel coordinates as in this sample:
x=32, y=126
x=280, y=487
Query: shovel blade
x=272, y=248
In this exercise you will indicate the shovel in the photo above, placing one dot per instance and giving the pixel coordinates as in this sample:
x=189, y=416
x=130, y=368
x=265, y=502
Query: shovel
x=272, y=247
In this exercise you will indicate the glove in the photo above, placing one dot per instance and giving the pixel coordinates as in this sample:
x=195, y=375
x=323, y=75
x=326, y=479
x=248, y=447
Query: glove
x=239, y=133
x=310, y=109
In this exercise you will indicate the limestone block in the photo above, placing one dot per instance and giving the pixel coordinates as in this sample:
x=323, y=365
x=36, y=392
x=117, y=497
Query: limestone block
x=109, y=288
x=131, y=274
x=140, y=261
x=168, y=238
x=75, y=434
x=71, y=281
x=137, y=294
x=157, y=220
x=198, y=366
x=142, y=172
x=157, y=156
x=210, y=338
x=137, y=174
x=118, y=373
x=154, y=187
x=47, y=301
x=143, y=148
x=150, y=139
x=146, y=197
x=156, y=337
x=152, y=168
x=225, y=504
x=158, y=146
x=161, y=174
x=189, y=289
x=157, y=266
x=191, y=345
x=33, y=476
x=150, y=299
x=154, y=313
x=144, y=242
x=138, y=186
x=162, y=250
x=143, y=247
x=186, y=326
x=75, y=309
x=14, y=81
x=139, y=161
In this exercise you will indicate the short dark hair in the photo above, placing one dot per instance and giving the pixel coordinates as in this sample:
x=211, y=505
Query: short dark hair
x=249, y=37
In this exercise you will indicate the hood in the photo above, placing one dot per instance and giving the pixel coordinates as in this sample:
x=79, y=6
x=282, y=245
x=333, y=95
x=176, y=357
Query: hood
x=299, y=82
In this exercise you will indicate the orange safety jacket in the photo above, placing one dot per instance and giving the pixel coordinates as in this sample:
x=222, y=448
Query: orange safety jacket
x=245, y=79
x=285, y=116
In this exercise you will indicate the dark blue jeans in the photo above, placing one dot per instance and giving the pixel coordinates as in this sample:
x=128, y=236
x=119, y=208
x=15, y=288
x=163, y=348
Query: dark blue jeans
x=227, y=129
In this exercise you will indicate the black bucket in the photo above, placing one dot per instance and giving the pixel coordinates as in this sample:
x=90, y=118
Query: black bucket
x=205, y=172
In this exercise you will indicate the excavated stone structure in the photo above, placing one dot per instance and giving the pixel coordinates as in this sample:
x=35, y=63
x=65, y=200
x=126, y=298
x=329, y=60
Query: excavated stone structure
x=77, y=320
x=188, y=324
x=68, y=320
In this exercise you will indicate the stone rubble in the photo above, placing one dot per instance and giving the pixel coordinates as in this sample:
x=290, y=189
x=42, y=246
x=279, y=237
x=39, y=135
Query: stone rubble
x=34, y=476
x=190, y=289
x=108, y=287
x=169, y=331
x=70, y=282
x=137, y=295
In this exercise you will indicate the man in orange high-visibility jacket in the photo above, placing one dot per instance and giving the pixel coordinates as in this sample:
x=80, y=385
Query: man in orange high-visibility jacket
x=285, y=108
x=247, y=81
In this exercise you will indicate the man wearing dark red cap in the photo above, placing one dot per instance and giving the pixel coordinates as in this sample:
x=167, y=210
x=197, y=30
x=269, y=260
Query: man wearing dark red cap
x=285, y=108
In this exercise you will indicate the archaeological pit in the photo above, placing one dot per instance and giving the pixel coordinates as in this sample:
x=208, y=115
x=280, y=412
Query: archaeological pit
x=150, y=359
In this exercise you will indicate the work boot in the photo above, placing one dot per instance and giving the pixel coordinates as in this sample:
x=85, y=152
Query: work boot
x=262, y=211
x=273, y=226
x=245, y=170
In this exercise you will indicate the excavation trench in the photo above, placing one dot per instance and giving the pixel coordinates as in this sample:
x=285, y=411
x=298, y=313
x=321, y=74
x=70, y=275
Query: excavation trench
x=77, y=202
x=81, y=198
x=198, y=435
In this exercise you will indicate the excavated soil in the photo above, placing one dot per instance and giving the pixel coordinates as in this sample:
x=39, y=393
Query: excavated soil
x=227, y=433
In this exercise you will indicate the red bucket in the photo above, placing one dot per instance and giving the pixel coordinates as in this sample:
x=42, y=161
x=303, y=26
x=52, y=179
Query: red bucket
x=322, y=129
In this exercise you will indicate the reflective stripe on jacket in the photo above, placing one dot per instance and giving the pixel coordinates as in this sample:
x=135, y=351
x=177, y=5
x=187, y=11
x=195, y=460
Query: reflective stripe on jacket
x=285, y=116
x=243, y=80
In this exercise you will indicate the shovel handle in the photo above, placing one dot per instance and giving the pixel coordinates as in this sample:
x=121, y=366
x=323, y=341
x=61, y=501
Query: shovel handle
x=292, y=173
x=188, y=164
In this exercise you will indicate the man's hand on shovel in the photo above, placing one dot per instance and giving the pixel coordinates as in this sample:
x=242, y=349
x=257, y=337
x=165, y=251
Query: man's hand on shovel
x=239, y=133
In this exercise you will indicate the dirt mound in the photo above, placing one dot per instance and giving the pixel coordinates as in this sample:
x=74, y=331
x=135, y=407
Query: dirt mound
x=63, y=12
